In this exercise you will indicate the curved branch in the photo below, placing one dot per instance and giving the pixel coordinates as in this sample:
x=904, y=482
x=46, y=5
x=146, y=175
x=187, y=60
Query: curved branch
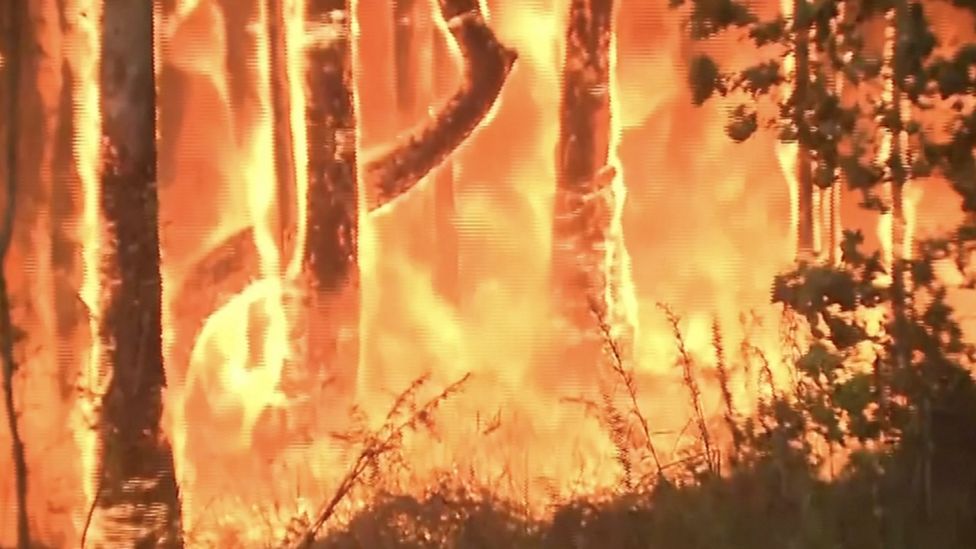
x=223, y=273
x=487, y=66
x=230, y=267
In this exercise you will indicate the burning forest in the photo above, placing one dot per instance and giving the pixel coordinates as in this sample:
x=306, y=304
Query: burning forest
x=488, y=273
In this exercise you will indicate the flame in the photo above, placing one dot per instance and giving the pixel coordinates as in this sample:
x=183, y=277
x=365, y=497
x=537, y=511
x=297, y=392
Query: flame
x=707, y=225
x=83, y=54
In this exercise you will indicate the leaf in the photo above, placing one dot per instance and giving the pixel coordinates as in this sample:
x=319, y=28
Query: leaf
x=768, y=32
x=742, y=123
x=703, y=78
x=760, y=78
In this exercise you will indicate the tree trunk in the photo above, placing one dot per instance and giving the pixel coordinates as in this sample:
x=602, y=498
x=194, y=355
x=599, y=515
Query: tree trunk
x=284, y=147
x=584, y=206
x=406, y=48
x=13, y=19
x=805, y=247
x=329, y=257
x=137, y=497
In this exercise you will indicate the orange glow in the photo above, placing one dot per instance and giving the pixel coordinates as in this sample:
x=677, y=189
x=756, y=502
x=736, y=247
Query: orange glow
x=697, y=222
x=83, y=53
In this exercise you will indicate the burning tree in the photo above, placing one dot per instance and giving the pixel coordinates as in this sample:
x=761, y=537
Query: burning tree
x=321, y=246
x=12, y=20
x=817, y=95
x=588, y=260
x=136, y=496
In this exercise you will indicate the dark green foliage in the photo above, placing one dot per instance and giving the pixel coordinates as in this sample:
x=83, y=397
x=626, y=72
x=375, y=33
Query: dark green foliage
x=813, y=115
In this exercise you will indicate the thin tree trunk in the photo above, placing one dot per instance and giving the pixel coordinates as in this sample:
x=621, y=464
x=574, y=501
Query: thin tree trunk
x=804, y=164
x=12, y=20
x=330, y=247
x=584, y=201
x=284, y=147
x=445, y=209
x=137, y=492
x=410, y=31
x=405, y=39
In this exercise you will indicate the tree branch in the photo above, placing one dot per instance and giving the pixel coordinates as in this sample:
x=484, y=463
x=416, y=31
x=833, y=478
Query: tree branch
x=231, y=266
x=487, y=66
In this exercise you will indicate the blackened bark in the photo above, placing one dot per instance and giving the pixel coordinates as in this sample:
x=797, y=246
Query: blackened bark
x=582, y=210
x=12, y=21
x=137, y=494
x=330, y=255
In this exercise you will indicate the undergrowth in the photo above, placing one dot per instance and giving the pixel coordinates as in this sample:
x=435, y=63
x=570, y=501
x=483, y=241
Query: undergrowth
x=868, y=443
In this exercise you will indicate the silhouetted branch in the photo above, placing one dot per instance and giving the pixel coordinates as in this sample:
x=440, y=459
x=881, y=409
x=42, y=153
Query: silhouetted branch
x=686, y=362
x=487, y=66
x=617, y=365
x=387, y=439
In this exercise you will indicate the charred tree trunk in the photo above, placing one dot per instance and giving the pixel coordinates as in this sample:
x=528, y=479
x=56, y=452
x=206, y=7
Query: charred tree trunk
x=137, y=498
x=12, y=21
x=805, y=248
x=329, y=255
x=584, y=199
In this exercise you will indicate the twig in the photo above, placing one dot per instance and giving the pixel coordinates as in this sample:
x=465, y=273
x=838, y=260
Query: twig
x=12, y=20
x=228, y=269
x=385, y=440
x=91, y=508
x=723, y=378
x=617, y=365
x=684, y=358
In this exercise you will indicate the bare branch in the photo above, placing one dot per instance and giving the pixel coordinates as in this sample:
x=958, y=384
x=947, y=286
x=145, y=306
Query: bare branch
x=687, y=363
x=487, y=66
x=384, y=441
x=627, y=376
